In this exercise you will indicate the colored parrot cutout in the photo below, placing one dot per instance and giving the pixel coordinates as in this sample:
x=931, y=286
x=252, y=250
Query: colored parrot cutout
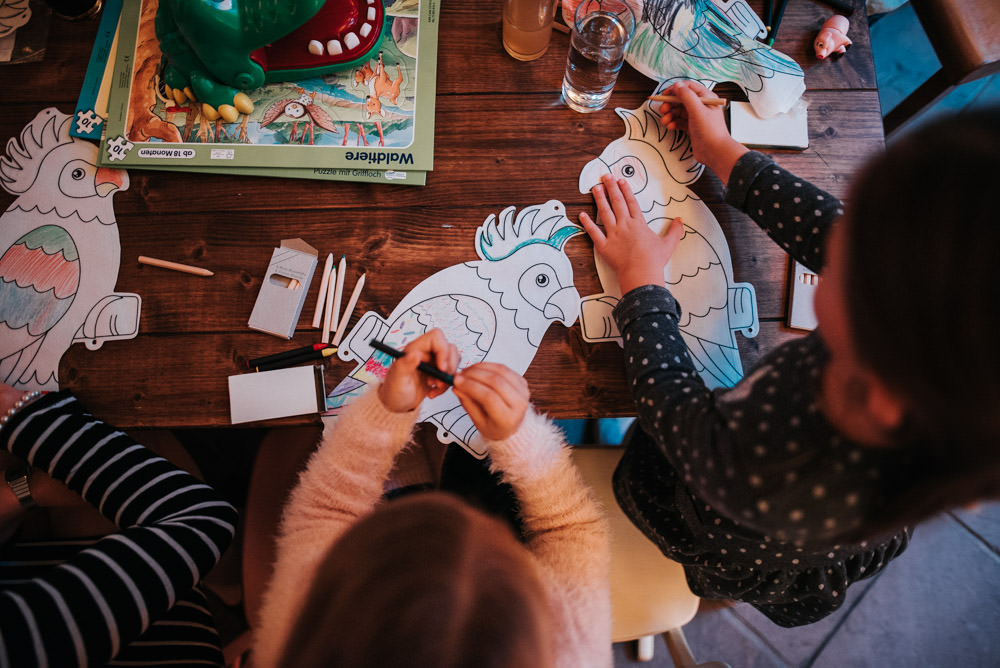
x=710, y=42
x=59, y=253
x=658, y=164
x=495, y=309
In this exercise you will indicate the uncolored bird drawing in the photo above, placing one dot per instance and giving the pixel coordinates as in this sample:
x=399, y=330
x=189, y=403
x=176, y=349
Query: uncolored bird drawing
x=496, y=309
x=658, y=164
x=695, y=39
x=59, y=247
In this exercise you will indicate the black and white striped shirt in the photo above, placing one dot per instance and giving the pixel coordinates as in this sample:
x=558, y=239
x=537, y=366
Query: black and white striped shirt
x=91, y=607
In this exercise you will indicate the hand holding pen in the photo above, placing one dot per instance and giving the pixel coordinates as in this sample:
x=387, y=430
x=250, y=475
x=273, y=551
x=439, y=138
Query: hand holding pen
x=405, y=385
x=706, y=125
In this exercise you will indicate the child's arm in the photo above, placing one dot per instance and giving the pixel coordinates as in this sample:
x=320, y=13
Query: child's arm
x=343, y=481
x=564, y=526
x=793, y=212
x=173, y=528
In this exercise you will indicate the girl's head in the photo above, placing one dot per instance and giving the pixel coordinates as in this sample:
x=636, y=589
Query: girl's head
x=908, y=305
x=425, y=581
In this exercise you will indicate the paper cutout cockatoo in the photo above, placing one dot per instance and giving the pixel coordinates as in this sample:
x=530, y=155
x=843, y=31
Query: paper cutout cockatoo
x=658, y=164
x=494, y=309
x=710, y=42
x=59, y=253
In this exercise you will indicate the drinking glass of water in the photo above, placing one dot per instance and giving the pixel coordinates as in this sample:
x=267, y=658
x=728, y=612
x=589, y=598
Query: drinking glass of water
x=601, y=33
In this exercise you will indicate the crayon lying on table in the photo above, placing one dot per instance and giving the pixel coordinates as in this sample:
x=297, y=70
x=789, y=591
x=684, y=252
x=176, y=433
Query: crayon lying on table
x=298, y=359
x=277, y=357
x=176, y=266
x=431, y=371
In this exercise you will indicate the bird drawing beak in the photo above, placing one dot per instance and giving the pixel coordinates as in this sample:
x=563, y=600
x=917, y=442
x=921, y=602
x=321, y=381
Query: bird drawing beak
x=564, y=306
x=108, y=180
x=592, y=173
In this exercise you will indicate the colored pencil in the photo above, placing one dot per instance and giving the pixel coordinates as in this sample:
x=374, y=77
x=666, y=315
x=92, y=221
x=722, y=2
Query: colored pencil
x=277, y=357
x=430, y=370
x=707, y=101
x=351, y=303
x=341, y=275
x=300, y=359
x=779, y=12
x=318, y=314
x=328, y=323
x=768, y=14
x=176, y=266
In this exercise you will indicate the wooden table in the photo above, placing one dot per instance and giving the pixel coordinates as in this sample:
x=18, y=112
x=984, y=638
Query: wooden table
x=502, y=138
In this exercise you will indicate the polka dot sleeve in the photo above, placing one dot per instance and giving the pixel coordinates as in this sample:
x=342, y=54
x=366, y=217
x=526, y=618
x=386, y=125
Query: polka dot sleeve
x=792, y=211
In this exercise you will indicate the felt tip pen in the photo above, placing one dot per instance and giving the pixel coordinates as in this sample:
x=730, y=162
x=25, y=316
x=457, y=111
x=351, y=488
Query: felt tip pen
x=298, y=359
x=430, y=370
x=277, y=357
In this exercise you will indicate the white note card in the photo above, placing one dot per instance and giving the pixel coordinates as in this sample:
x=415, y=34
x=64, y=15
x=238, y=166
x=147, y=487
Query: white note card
x=787, y=130
x=265, y=395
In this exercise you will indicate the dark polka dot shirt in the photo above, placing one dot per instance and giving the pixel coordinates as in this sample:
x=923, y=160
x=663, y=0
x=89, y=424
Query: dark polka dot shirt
x=750, y=487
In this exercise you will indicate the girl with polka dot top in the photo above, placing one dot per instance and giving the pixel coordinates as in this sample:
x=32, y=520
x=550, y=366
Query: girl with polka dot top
x=806, y=476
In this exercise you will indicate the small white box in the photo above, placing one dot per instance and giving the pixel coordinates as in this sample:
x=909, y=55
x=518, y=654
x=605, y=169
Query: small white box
x=787, y=130
x=284, y=288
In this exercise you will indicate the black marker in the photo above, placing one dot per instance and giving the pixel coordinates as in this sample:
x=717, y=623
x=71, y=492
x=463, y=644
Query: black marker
x=431, y=371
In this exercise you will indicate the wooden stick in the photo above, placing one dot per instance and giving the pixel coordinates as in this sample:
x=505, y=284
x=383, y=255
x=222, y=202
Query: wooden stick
x=707, y=101
x=318, y=315
x=176, y=266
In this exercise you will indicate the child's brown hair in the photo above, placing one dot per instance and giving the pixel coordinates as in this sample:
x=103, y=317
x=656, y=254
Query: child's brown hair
x=425, y=580
x=922, y=240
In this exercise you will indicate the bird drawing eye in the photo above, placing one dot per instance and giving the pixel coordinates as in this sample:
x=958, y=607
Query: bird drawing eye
x=74, y=181
x=537, y=284
x=632, y=170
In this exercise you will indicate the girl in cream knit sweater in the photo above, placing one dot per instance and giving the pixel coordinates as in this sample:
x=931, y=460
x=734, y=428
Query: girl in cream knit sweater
x=426, y=580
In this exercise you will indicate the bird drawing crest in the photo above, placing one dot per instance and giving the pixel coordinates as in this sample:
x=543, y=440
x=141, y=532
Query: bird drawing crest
x=496, y=308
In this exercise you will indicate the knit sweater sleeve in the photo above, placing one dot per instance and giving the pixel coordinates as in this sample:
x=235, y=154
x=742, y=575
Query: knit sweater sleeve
x=173, y=530
x=793, y=212
x=342, y=482
x=566, y=532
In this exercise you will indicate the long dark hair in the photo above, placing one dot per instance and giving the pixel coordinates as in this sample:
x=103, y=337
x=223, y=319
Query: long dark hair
x=425, y=581
x=922, y=238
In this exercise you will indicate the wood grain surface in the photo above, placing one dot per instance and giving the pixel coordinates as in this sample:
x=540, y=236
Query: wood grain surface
x=502, y=138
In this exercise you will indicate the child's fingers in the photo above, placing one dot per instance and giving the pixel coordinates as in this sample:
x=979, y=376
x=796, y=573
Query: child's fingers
x=631, y=202
x=603, y=207
x=672, y=235
x=494, y=390
x=592, y=230
x=615, y=197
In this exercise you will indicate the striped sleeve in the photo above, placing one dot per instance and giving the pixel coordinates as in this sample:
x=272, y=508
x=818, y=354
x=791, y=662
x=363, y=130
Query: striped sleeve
x=173, y=529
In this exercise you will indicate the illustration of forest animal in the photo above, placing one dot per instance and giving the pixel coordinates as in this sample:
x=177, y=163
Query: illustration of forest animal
x=372, y=107
x=303, y=108
x=658, y=165
x=495, y=309
x=832, y=37
x=216, y=49
x=59, y=252
x=378, y=82
x=13, y=15
x=696, y=39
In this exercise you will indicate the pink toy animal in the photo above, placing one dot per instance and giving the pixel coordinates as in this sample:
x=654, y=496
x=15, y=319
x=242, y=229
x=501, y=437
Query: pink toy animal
x=832, y=37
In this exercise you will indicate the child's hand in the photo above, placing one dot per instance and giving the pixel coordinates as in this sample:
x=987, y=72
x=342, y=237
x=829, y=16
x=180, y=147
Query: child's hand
x=404, y=386
x=495, y=398
x=636, y=253
x=710, y=139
